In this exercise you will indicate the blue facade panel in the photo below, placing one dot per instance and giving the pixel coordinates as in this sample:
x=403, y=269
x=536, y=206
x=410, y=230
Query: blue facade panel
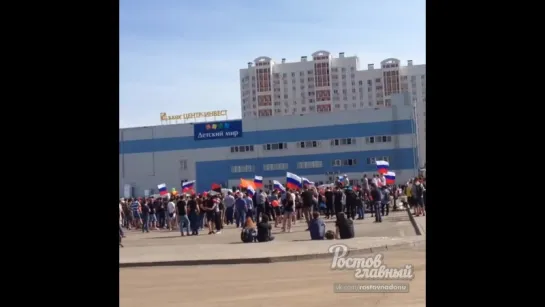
x=220, y=171
x=269, y=136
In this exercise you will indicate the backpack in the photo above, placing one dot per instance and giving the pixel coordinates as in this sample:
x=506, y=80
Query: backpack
x=248, y=235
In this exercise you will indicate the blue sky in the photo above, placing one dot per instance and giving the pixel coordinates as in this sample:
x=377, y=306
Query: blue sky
x=181, y=56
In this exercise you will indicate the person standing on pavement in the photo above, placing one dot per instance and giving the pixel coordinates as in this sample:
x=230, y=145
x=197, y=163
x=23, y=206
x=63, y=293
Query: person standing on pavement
x=121, y=233
x=289, y=210
x=329, y=211
x=241, y=208
x=424, y=197
x=229, y=202
x=250, y=207
x=395, y=194
x=217, y=218
x=351, y=203
x=418, y=198
x=193, y=215
x=136, y=212
x=260, y=198
x=385, y=202
x=145, y=214
x=160, y=212
x=307, y=203
x=128, y=217
x=338, y=196
x=272, y=211
x=202, y=211
x=153, y=214
x=181, y=211
x=210, y=207
x=409, y=193
x=365, y=184
x=171, y=217
x=376, y=195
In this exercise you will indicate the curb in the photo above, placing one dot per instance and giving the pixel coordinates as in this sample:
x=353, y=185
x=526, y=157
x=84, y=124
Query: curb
x=368, y=250
x=413, y=222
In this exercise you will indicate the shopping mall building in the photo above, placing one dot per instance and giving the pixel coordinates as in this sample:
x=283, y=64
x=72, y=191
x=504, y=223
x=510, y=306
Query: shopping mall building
x=317, y=146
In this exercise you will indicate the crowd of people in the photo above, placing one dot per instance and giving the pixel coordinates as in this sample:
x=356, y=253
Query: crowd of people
x=212, y=211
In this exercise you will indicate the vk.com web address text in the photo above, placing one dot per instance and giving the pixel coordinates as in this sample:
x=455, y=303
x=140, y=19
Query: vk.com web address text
x=371, y=288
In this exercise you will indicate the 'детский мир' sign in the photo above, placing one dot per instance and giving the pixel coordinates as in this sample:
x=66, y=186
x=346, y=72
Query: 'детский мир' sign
x=218, y=130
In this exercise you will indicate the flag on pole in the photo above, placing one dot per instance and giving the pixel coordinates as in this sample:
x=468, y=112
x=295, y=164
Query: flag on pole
x=244, y=183
x=188, y=186
x=162, y=189
x=250, y=190
x=306, y=182
x=382, y=166
x=278, y=186
x=258, y=181
x=293, y=181
x=390, y=177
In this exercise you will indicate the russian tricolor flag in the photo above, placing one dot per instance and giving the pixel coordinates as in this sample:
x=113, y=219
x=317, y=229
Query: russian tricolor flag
x=382, y=166
x=390, y=177
x=278, y=186
x=293, y=181
x=250, y=190
x=162, y=189
x=188, y=186
x=258, y=181
x=306, y=182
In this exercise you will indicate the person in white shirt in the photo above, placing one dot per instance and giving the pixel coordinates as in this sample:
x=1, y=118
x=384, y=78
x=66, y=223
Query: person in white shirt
x=374, y=181
x=171, y=217
x=346, y=181
x=121, y=221
x=381, y=180
x=229, y=202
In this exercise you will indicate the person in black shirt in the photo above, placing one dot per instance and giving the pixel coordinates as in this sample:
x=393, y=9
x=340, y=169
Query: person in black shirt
x=337, y=200
x=152, y=215
x=193, y=215
x=351, y=203
x=145, y=214
x=376, y=195
x=328, y=202
x=360, y=210
x=264, y=230
x=161, y=213
x=344, y=227
x=210, y=207
x=181, y=212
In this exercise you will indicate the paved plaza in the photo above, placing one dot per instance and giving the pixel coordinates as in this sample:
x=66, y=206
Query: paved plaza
x=169, y=247
x=304, y=283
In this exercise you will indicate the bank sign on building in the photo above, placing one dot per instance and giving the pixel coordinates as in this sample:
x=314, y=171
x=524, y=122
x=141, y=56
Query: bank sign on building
x=218, y=130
